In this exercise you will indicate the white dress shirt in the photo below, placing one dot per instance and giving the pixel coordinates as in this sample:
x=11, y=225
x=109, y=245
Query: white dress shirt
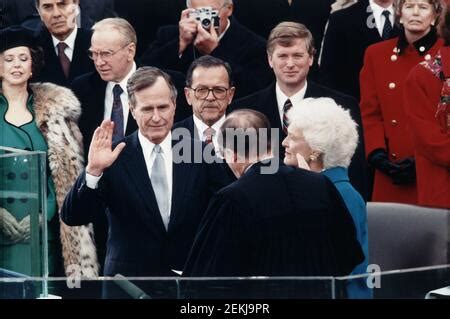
x=295, y=99
x=109, y=98
x=201, y=128
x=149, y=157
x=70, y=41
x=377, y=11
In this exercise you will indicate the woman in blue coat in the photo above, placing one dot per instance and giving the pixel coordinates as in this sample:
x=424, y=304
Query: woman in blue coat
x=322, y=137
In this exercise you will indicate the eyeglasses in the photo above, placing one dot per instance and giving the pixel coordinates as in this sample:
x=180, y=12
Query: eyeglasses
x=105, y=55
x=218, y=92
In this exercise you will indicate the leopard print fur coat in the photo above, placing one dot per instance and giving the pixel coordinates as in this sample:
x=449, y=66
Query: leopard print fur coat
x=56, y=112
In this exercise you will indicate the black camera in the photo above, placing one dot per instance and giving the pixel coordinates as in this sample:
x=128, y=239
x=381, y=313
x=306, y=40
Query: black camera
x=206, y=16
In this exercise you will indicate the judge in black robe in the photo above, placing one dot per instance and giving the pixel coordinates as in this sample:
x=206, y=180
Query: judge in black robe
x=291, y=222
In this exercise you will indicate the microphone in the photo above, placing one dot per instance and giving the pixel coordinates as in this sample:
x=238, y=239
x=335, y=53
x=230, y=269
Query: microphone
x=131, y=289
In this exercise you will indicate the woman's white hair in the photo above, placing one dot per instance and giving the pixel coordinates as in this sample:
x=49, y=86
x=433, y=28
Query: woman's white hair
x=327, y=128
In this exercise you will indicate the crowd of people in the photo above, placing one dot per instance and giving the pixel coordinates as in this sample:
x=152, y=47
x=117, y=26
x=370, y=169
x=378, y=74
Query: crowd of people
x=235, y=148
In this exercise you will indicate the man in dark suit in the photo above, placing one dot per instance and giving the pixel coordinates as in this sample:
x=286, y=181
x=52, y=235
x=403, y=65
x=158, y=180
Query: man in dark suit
x=350, y=31
x=154, y=202
x=290, y=52
x=261, y=16
x=24, y=12
x=209, y=90
x=278, y=221
x=176, y=47
x=103, y=94
x=65, y=46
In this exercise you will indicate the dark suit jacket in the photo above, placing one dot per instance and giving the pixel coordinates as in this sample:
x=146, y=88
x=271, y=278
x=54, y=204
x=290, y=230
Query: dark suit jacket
x=243, y=49
x=347, y=37
x=94, y=11
x=138, y=244
x=90, y=90
x=300, y=227
x=24, y=12
x=52, y=70
x=261, y=16
x=265, y=101
x=146, y=19
x=188, y=123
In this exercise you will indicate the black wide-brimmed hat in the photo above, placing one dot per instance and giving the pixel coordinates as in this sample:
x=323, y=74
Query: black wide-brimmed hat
x=16, y=36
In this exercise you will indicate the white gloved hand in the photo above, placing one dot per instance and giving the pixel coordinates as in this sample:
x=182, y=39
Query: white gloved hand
x=10, y=230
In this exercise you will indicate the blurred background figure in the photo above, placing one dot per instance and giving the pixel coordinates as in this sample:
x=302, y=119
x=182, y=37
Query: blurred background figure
x=427, y=104
x=177, y=46
x=40, y=117
x=322, y=137
x=388, y=139
x=24, y=12
x=349, y=32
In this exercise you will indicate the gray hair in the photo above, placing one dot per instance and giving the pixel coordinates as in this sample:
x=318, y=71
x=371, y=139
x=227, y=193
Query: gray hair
x=327, y=128
x=120, y=25
x=146, y=77
x=225, y=2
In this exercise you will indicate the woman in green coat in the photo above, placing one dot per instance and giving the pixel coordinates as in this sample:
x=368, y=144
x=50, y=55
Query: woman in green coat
x=39, y=117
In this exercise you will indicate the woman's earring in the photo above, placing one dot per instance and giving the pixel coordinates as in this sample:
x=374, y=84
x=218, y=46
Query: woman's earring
x=313, y=157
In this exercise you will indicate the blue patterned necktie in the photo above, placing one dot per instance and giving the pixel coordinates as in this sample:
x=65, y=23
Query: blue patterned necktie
x=117, y=113
x=387, y=28
x=287, y=106
x=160, y=187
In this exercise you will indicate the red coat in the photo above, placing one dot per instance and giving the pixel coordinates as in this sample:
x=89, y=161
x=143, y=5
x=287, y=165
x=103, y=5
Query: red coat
x=432, y=145
x=382, y=80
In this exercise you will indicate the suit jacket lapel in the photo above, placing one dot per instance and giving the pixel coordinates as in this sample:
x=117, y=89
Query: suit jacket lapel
x=270, y=106
x=137, y=170
x=181, y=173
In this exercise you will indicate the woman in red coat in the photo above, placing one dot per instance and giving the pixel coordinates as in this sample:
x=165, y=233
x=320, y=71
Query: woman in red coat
x=388, y=140
x=427, y=103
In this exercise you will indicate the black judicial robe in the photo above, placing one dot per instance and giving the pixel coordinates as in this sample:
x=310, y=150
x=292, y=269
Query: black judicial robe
x=289, y=223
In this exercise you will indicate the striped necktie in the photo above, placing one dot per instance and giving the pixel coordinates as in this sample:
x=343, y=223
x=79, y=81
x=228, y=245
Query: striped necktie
x=287, y=106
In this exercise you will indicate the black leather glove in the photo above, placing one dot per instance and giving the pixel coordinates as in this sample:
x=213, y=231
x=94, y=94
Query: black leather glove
x=379, y=159
x=407, y=173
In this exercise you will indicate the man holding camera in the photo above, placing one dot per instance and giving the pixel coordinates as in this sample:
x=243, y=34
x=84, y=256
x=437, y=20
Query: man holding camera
x=206, y=27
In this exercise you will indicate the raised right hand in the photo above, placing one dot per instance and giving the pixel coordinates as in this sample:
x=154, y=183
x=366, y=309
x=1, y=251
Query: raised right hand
x=188, y=30
x=101, y=155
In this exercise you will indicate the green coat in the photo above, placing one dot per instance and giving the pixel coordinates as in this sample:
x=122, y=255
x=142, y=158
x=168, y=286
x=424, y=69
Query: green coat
x=17, y=189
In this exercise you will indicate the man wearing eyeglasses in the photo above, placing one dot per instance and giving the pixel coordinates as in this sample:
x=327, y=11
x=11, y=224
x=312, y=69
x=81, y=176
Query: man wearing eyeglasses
x=209, y=90
x=103, y=93
x=176, y=47
x=63, y=43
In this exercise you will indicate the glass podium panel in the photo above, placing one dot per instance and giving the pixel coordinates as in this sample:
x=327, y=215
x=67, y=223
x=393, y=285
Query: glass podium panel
x=416, y=283
x=23, y=235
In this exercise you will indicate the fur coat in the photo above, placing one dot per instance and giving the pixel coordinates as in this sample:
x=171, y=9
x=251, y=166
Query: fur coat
x=56, y=112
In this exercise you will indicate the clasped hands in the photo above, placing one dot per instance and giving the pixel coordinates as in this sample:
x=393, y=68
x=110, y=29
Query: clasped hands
x=13, y=231
x=401, y=173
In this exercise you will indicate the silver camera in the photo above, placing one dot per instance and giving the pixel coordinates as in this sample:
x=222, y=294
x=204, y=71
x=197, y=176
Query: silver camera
x=206, y=16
